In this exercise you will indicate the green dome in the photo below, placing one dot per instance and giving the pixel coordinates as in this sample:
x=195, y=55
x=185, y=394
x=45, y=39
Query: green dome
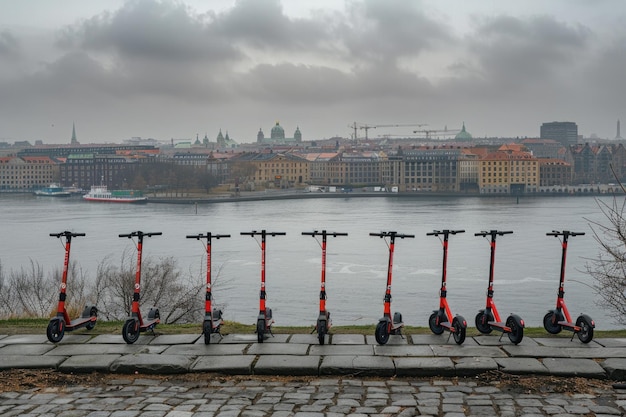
x=463, y=134
x=277, y=132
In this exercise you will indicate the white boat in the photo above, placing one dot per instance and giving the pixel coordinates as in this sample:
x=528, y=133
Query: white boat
x=101, y=193
x=53, y=190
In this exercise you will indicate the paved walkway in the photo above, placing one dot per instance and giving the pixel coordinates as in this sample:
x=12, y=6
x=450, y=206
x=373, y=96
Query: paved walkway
x=350, y=375
x=301, y=355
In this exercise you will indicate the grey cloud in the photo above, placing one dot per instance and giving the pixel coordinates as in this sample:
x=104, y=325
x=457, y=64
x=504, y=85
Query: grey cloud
x=153, y=30
x=512, y=52
x=9, y=46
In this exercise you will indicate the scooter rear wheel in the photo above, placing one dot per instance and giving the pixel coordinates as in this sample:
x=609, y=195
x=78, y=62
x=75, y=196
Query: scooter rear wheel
x=482, y=322
x=55, y=330
x=517, y=332
x=207, y=329
x=459, y=331
x=434, y=326
x=550, y=323
x=382, y=332
x=92, y=313
x=260, y=330
x=130, y=331
x=586, y=330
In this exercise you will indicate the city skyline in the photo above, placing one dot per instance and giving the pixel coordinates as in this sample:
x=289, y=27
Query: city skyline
x=162, y=70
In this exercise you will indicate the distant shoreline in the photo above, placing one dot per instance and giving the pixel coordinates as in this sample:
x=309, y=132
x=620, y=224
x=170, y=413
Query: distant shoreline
x=277, y=195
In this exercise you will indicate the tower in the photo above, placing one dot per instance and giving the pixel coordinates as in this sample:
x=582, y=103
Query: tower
x=75, y=142
x=618, y=136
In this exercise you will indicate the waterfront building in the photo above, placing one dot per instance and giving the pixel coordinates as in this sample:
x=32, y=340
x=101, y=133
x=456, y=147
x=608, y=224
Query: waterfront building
x=85, y=170
x=360, y=168
x=27, y=173
x=280, y=170
x=319, y=173
x=508, y=171
x=428, y=169
x=566, y=133
x=554, y=172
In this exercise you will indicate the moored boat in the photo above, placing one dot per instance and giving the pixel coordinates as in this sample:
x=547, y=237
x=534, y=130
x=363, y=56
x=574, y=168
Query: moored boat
x=101, y=193
x=53, y=190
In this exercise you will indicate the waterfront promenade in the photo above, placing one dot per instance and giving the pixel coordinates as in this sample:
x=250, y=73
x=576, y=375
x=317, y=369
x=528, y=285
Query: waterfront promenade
x=292, y=375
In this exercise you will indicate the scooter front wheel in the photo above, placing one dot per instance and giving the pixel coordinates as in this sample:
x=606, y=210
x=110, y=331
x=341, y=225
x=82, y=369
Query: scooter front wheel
x=207, y=329
x=382, y=332
x=321, y=332
x=550, y=323
x=55, y=330
x=517, y=330
x=586, y=329
x=459, y=330
x=260, y=330
x=130, y=331
x=434, y=326
x=482, y=322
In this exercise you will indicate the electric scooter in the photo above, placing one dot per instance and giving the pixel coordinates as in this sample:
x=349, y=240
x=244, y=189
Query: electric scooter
x=323, y=319
x=386, y=326
x=212, y=317
x=559, y=318
x=439, y=320
x=61, y=323
x=135, y=323
x=264, y=320
x=488, y=319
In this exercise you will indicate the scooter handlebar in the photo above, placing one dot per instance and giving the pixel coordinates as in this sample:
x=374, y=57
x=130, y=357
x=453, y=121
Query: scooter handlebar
x=324, y=232
x=389, y=234
x=66, y=233
x=139, y=233
x=263, y=232
x=441, y=232
x=494, y=232
x=564, y=233
x=202, y=236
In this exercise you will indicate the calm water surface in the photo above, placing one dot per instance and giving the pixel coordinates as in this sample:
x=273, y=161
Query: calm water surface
x=527, y=262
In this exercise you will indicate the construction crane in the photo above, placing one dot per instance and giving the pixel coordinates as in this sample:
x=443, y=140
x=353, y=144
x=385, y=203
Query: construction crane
x=367, y=127
x=439, y=132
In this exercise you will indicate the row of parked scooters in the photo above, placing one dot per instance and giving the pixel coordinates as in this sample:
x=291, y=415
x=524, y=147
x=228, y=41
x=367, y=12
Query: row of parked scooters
x=441, y=320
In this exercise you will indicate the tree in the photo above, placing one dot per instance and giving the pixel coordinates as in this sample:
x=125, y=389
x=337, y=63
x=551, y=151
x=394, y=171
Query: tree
x=609, y=267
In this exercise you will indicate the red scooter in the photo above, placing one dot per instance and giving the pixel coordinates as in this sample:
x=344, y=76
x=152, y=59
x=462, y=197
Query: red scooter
x=559, y=318
x=323, y=319
x=440, y=319
x=386, y=326
x=488, y=319
x=135, y=323
x=61, y=323
x=212, y=317
x=264, y=320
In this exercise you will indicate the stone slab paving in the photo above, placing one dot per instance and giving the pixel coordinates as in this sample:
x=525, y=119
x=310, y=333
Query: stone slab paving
x=302, y=354
x=142, y=396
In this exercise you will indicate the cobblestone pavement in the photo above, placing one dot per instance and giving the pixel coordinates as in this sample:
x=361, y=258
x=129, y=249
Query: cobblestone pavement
x=210, y=395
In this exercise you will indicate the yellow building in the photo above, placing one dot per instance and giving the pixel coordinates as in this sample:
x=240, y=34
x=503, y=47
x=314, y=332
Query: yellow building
x=508, y=171
x=281, y=170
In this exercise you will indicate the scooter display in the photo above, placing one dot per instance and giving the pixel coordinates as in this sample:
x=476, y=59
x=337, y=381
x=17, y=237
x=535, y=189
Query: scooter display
x=213, y=321
x=323, y=319
x=62, y=323
x=135, y=324
x=488, y=319
x=559, y=318
x=386, y=325
x=264, y=320
x=439, y=320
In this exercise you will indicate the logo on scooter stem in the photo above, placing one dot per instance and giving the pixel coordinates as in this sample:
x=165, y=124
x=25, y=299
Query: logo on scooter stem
x=63, y=285
x=137, y=286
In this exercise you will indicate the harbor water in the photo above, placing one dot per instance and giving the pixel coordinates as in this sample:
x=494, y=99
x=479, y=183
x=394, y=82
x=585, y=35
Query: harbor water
x=526, y=268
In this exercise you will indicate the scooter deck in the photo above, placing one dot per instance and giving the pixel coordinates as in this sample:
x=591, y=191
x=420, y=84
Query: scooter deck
x=76, y=323
x=499, y=326
x=569, y=326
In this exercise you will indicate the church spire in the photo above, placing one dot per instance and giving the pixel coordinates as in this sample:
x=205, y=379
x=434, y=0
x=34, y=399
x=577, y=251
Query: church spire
x=74, y=140
x=618, y=136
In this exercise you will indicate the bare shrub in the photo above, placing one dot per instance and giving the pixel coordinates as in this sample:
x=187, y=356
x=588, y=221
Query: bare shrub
x=609, y=268
x=34, y=292
x=162, y=286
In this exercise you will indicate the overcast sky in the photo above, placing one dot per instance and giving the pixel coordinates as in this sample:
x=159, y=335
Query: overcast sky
x=165, y=69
